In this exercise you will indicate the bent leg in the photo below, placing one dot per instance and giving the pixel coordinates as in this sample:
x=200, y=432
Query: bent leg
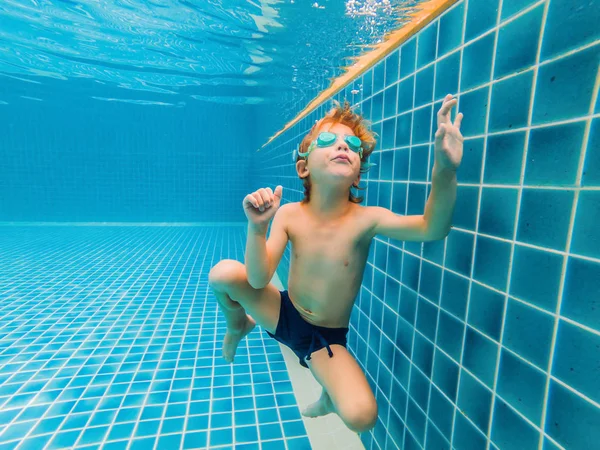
x=346, y=390
x=236, y=298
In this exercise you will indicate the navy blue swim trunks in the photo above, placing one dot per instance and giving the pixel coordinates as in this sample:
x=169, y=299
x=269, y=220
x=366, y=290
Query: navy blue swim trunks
x=302, y=337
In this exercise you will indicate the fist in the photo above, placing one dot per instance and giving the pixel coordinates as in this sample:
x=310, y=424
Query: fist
x=261, y=206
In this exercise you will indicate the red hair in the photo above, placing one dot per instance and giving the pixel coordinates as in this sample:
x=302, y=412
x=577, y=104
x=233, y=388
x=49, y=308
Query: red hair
x=359, y=126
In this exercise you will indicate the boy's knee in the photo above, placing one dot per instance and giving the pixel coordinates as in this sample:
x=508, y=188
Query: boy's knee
x=224, y=272
x=362, y=418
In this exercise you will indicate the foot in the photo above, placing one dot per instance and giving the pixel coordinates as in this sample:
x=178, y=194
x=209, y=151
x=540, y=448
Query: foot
x=233, y=338
x=321, y=407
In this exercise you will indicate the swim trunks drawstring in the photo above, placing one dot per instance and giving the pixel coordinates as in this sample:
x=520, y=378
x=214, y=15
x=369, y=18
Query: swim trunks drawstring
x=323, y=342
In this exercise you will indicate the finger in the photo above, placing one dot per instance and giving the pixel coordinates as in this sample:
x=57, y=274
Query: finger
x=277, y=196
x=441, y=117
x=458, y=120
x=271, y=197
x=447, y=106
x=259, y=201
x=266, y=198
x=250, y=200
x=440, y=133
x=261, y=195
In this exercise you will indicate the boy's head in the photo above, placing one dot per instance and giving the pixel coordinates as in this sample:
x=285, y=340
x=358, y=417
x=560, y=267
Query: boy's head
x=330, y=152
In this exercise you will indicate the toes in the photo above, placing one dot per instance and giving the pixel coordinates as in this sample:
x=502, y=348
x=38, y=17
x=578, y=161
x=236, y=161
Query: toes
x=317, y=409
x=227, y=354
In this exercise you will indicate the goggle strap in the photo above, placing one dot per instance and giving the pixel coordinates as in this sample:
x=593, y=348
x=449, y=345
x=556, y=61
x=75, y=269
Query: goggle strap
x=310, y=148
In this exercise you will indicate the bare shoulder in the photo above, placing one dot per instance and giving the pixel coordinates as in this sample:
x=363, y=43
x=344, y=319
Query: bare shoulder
x=287, y=211
x=368, y=213
x=367, y=210
x=368, y=216
x=289, y=208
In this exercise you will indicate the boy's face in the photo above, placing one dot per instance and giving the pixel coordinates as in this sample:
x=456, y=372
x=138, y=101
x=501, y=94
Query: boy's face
x=335, y=162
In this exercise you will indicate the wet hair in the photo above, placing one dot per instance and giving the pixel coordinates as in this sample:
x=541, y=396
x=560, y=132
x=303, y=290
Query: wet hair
x=359, y=126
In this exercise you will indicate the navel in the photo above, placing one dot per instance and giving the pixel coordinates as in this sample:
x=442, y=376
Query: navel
x=346, y=263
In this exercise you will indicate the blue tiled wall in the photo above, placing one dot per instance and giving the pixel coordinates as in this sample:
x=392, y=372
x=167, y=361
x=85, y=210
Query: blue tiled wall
x=489, y=339
x=71, y=157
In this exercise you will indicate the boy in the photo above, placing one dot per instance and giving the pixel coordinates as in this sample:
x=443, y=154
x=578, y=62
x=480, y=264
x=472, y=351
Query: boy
x=331, y=235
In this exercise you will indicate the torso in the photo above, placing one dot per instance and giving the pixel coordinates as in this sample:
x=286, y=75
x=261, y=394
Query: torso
x=327, y=264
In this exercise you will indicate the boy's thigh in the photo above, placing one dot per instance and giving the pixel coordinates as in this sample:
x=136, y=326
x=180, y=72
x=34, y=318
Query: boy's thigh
x=262, y=304
x=344, y=381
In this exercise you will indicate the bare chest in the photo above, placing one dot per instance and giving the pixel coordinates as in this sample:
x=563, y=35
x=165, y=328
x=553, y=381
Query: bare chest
x=329, y=248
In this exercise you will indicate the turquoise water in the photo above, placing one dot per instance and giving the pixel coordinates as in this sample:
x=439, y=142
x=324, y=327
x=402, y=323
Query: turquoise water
x=142, y=114
x=176, y=52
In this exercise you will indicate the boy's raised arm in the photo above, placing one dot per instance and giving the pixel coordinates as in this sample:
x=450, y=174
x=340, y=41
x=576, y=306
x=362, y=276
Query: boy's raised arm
x=436, y=221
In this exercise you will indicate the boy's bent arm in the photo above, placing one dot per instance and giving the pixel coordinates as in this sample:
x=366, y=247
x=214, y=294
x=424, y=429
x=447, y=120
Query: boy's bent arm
x=436, y=221
x=262, y=255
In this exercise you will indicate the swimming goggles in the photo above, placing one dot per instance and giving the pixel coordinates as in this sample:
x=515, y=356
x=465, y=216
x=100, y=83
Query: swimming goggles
x=327, y=138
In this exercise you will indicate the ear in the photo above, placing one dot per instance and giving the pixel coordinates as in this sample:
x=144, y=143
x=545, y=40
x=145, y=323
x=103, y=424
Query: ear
x=355, y=184
x=302, y=169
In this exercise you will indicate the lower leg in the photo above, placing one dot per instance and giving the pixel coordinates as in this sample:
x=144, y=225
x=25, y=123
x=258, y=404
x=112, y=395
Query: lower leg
x=239, y=324
x=235, y=314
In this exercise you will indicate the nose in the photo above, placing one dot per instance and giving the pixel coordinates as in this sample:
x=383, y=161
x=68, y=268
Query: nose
x=343, y=146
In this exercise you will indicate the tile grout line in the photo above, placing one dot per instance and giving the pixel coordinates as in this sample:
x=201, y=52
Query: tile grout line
x=370, y=322
x=431, y=154
x=516, y=221
x=472, y=268
x=383, y=336
x=414, y=94
x=561, y=288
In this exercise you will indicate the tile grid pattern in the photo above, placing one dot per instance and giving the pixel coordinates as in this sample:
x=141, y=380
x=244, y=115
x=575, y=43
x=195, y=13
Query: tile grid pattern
x=111, y=339
x=516, y=276
x=122, y=162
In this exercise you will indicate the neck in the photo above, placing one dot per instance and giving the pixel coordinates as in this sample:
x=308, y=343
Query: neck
x=330, y=203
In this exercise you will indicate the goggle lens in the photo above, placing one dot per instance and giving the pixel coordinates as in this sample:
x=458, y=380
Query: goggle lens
x=327, y=138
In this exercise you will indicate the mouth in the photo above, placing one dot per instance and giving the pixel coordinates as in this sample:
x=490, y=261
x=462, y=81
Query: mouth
x=341, y=157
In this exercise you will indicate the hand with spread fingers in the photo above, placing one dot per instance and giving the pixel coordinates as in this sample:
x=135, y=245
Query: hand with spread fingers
x=448, y=139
